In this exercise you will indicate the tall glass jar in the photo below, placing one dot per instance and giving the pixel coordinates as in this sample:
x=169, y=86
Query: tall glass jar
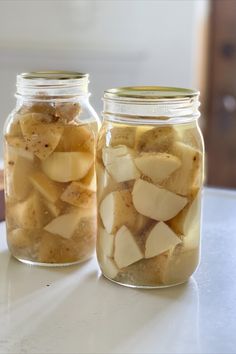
x=50, y=183
x=149, y=183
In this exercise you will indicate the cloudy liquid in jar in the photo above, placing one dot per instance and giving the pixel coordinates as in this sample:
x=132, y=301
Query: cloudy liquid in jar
x=50, y=184
x=149, y=181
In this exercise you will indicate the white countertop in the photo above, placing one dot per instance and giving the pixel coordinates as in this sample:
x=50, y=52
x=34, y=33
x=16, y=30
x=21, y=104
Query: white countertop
x=76, y=310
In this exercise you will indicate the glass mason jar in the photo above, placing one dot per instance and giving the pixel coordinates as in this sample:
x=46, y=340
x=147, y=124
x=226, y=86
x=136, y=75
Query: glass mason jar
x=50, y=183
x=149, y=182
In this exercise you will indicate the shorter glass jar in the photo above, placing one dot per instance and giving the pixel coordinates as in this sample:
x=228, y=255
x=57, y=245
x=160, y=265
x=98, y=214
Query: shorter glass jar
x=149, y=182
x=50, y=182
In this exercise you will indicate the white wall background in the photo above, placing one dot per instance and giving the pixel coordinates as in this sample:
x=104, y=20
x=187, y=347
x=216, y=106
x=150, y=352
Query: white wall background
x=119, y=42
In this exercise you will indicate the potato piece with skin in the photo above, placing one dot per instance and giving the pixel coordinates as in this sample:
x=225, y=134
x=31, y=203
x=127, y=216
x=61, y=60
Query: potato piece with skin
x=109, y=267
x=54, y=249
x=186, y=177
x=45, y=108
x=28, y=214
x=122, y=136
x=146, y=272
x=159, y=139
x=17, y=146
x=74, y=137
x=105, y=183
x=79, y=195
x=17, y=172
x=90, y=180
x=49, y=189
x=180, y=266
x=155, y=202
x=190, y=135
x=85, y=235
x=126, y=249
x=116, y=210
x=187, y=223
x=67, y=111
x=15, y=129
x=157, y=166
x=160, y=239
x=90, y=144
x=41, y=137
x=105, y=243
x=19, y=238
x=54, y=209
x=67, y=166
x=190, y=215
x=64, y=225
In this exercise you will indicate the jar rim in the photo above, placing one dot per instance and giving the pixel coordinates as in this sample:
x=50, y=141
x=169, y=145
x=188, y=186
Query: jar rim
x=152, y=93
x=51, y=84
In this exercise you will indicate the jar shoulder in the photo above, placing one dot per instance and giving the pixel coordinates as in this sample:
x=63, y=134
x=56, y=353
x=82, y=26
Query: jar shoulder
x=148, y=137
x=79, y=112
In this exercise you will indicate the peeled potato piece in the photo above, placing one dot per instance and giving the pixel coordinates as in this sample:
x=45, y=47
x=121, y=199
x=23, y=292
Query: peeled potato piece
x=160, y=239
x=67, y=166
x=155, y=202
x=79, y=195
x=123, y=169
x=157, y=166
x=126, y=249
x=64, y=225
x=49, y=189
x=41, y=137
x=109, y=154
x=116, y=210
x=119, y=163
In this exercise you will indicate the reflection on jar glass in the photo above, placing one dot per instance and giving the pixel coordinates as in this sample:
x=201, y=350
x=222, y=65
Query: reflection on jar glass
x=50, y=182
x=149, y=183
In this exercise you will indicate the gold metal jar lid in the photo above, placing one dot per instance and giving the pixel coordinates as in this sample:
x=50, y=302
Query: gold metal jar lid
x=152, y=103
x=150, y=93
x=53, y=75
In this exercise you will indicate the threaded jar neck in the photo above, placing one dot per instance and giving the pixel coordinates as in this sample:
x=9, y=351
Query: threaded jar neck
x=142, y=104
x=52, y=85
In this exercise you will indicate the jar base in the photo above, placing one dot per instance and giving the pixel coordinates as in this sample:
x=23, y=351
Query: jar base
x=146, y=286
x=51, y=265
